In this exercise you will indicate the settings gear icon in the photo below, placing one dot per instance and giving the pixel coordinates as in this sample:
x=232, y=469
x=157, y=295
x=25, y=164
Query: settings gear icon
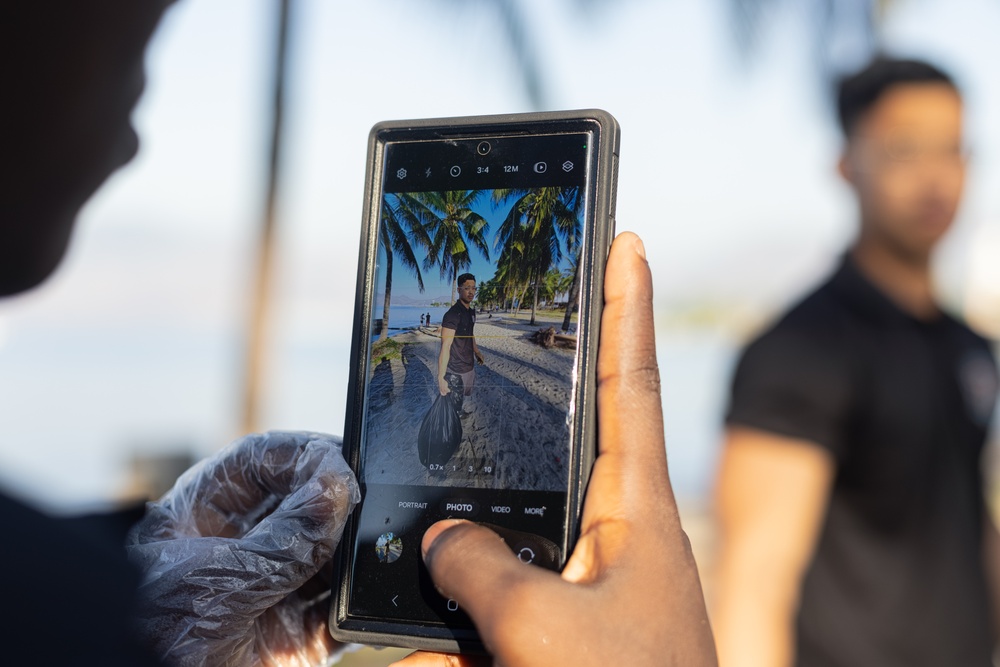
x=401, y=174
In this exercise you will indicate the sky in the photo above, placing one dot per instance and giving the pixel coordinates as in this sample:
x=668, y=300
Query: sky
x=743, y=153
x=136, y=345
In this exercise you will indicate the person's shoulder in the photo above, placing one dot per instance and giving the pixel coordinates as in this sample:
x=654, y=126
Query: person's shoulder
x=820, y=319
x=44, y=558
x=97, y=537
x=969, y=336
x=797, y=379
x=452, y=316
x=975, y=353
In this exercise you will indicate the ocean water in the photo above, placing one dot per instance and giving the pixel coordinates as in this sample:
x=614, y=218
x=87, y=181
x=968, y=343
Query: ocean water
x=403, y=317
x=77, y=408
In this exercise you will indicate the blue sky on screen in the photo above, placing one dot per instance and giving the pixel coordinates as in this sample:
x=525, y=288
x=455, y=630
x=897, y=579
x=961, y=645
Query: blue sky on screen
x=405, y=281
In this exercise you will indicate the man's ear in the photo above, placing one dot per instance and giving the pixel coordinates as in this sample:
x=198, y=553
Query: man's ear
x=845, y=167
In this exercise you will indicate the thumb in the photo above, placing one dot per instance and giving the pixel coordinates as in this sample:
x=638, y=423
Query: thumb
x=458, y=553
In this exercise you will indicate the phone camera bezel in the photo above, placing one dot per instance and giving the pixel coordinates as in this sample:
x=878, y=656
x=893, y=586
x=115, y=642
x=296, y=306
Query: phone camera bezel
x=484, y=148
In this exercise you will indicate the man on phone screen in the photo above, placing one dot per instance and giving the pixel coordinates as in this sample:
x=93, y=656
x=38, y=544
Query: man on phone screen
x=459, y=351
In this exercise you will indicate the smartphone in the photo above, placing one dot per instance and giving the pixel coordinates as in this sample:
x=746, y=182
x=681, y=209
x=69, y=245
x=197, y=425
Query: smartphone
x=476, y=323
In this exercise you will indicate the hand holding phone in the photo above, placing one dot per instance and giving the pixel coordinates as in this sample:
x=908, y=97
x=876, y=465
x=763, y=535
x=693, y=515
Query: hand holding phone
x=630, y=593
x=495, y=231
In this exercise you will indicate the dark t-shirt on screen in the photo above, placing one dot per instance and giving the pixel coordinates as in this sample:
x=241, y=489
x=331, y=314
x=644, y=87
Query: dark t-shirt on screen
x=903, y=406
x=462, y=320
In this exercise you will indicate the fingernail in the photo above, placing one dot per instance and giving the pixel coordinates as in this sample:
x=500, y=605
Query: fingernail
x=640, y=248
x=434, y=532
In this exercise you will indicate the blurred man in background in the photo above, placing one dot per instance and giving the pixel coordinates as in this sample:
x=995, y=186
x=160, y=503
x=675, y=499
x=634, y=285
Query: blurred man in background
x=851, y=499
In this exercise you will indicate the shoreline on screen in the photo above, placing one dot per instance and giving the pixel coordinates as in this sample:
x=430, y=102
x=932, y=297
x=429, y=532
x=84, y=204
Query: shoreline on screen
x=516, y=424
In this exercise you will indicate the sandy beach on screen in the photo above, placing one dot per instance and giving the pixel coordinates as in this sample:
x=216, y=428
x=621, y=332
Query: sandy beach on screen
x=515, y=434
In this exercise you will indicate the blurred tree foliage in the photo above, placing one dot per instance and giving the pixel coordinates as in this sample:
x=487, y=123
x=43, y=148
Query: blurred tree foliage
x=843, y=34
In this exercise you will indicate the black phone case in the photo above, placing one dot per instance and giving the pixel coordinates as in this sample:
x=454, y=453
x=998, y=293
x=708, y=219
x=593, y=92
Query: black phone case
x=606, y=133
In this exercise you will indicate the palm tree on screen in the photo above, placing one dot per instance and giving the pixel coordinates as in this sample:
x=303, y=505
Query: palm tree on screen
x=489, y=293
x=538, y=226
x=399, y=227
x=451, y=227
x=571, y=285
x=512, y=270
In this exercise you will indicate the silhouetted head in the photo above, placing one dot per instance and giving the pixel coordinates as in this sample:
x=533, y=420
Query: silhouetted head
x=904, y=153
x=74, y=71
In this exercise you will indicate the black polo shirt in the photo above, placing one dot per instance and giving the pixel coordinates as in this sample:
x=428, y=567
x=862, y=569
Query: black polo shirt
x=69, y=593
x=463, y=321
x=903, y=405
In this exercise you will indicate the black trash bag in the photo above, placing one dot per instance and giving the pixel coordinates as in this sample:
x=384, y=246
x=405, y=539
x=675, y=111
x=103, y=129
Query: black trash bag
x=441, y=430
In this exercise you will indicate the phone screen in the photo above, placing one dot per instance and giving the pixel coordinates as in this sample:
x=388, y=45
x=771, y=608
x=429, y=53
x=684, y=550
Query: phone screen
x=469, y=387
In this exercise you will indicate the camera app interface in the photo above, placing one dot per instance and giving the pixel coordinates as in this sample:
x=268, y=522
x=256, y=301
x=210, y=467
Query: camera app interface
x=472, y=354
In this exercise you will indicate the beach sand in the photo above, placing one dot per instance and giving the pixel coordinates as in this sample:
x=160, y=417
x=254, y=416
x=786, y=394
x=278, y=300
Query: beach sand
x=515, y=435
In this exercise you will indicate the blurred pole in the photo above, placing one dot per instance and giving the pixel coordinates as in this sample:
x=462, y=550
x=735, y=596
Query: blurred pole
x=260, y=306
x=515, y=28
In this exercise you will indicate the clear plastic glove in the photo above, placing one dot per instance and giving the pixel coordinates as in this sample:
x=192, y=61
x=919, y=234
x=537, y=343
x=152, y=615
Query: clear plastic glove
x=232, y=555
